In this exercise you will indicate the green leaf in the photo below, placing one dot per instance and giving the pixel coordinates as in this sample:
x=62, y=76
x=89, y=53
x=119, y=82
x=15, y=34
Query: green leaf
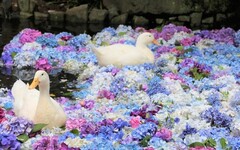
x=185, y=87
x=104, y=44
x=121, y=33
x=22, y=138
x=223, y=143
x=13, y=54
x=38, y=127
x=67, y=94
x=145, y=140
x=75, y=131
x=210, y=142
x=180, y=48
x=196, y=144
x=61, y=42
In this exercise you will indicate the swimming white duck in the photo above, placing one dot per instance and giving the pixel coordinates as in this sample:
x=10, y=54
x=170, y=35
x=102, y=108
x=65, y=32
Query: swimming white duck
x=35, y=105
x=121, y=54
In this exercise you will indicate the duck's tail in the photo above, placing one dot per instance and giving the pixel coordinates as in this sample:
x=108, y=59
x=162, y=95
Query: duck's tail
x=95, y=50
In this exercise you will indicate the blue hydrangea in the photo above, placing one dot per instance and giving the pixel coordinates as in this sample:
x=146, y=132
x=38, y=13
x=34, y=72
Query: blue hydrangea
x=216, y=118
x=9, y=141
x=214, y=99
x=99, y=144
x=118, y=86
x=111, y=30
x=16, y=126
x=47, y=39
x=8, y=105
x=80, y=41
x=144, y=130
x=154, y=87
x=66, y=135
x=215, y=133
x=234, y=142
x=237, y=38
x=188, y=130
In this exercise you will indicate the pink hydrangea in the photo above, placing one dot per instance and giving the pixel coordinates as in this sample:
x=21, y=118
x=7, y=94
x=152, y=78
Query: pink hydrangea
x=75, y=123
x=106, y=94
x=186, y=42
x=164, y=133
x=29, y=35
x=135, y=121
x=201, y=148
x=173, y=76
x=43, y=64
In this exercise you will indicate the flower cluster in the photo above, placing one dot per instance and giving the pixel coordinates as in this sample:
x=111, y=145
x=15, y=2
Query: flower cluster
x=187, y=99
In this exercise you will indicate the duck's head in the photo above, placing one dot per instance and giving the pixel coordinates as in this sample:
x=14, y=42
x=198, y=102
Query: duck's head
x=40, y=78
x=146, y=38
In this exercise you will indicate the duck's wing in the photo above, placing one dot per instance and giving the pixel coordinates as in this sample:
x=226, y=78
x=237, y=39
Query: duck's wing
x=25, y=100
x=18, y=90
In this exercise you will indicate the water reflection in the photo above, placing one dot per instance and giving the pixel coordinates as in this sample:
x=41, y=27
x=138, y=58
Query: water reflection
x=60, y=82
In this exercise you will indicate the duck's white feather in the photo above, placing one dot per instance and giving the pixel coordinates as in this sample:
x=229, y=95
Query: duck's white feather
x=37, y=106
x=122, y=54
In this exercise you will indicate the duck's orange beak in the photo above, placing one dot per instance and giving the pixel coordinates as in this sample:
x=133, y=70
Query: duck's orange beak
x=34, y=83
x=156, y=42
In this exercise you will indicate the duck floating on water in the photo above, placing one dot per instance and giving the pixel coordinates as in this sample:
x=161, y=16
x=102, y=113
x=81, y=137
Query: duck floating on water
x=35, y=105
x=121, y=55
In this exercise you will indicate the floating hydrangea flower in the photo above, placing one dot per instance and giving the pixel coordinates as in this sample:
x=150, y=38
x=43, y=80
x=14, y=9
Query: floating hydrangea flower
x=29, y=35
x=106, y=94
x=75, y=123
x=46, y=142
x=201, y=148
x=135, y=122
x=48, y=40
x=2, y=115
x=144, y=130
x=216, y=118
x=164, y=134
x=43, y=64
x=16, y=126
x=9, y=141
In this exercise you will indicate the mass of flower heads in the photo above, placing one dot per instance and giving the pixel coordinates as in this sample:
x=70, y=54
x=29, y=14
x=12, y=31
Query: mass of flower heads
x=188, y=99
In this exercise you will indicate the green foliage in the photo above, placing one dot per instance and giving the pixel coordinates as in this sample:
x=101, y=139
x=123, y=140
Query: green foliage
x=75, y=131
x=144, y=141
x=23, y=138
x=197, y=75
x=38, y=127
x=13, y=54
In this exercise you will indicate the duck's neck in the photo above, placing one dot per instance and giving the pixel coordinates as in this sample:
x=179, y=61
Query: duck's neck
x=44, y=91
x=141, y=45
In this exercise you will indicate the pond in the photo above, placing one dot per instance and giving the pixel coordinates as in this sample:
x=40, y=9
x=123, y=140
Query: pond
x=187, y=99
x=10, y=28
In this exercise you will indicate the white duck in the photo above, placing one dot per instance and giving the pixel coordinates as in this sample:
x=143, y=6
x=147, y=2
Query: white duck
x=37, y=106
x=121, y=54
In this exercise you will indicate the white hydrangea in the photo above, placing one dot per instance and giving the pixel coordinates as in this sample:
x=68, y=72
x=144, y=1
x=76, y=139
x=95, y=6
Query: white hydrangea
x=31, y=46
x=76, y=142
x=72, y=66
x=101, y=81
x=25, y=59
x=205, y=43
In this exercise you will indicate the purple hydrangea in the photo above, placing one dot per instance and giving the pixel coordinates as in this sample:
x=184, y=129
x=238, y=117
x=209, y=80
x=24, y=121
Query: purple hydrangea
x=46, y=142
x=188, y=130
x=16, y=126
x=147, y=129
x=9, y=141
x=216, y=118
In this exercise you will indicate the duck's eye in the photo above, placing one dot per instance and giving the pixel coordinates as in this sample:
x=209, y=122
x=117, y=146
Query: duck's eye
x=150, y=35
x=42, y=74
